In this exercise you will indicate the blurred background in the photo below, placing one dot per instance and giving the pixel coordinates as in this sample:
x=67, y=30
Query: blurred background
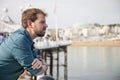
x=89, y=28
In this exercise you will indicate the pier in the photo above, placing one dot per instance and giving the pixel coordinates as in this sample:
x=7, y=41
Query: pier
x=47, y=53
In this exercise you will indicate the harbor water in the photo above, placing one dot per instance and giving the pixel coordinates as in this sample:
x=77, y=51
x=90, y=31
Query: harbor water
x=93, y=63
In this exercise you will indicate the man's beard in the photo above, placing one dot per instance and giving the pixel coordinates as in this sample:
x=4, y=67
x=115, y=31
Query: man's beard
x=40, y=34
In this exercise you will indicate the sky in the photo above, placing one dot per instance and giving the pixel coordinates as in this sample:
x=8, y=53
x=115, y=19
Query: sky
x=67, y=12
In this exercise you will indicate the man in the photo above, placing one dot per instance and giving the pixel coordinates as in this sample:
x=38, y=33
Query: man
x=17, y=53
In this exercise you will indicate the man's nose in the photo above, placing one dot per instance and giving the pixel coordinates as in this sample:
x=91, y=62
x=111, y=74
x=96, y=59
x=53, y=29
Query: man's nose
x=46, y=25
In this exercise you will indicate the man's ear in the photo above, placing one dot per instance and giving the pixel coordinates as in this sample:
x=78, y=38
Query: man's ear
x=29, y=23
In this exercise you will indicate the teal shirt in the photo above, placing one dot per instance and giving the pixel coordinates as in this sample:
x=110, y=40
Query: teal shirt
x=17, y=54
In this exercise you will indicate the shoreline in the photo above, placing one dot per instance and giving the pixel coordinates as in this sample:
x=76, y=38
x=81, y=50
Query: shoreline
x=115, y=43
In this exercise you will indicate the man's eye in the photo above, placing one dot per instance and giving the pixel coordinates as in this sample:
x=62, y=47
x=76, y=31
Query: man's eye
x=42, y=22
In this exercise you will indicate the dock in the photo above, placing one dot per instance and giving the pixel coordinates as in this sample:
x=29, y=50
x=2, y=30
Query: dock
x=48, y=52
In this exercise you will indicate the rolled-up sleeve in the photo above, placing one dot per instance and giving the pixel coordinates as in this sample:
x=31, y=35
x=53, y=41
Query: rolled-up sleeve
x=25, y=59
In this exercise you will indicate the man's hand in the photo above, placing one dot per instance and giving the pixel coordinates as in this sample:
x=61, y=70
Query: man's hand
x=36, y=64
x=43, y=61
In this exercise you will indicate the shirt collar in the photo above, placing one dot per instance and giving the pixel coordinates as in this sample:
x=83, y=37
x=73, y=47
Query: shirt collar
x=27, y=35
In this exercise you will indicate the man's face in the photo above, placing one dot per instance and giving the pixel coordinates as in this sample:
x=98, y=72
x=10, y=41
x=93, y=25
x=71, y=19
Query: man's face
x=39, y=26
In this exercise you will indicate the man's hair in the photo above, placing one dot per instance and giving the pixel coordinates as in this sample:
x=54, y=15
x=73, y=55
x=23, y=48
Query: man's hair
x=31, y=14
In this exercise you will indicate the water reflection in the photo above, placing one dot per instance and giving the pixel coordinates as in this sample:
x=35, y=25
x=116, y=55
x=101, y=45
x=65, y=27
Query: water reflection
x=94, y=63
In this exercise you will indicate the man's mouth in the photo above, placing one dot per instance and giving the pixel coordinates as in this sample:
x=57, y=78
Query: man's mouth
x=44, y=31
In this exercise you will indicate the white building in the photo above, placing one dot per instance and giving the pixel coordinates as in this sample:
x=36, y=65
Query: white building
x=7, y=24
